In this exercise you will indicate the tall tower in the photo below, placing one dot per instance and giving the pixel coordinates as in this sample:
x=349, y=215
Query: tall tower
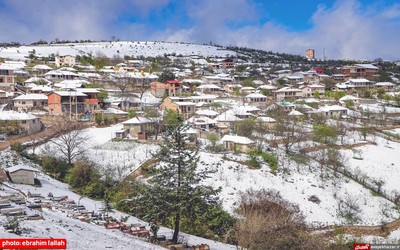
x=310, y=53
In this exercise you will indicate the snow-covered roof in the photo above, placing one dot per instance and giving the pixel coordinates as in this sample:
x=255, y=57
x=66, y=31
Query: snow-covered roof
x=114, y=111
x=31, y=97
x=361, y=80
x=201, y=120
x=384, y=84
x=185, y=103
x=227, y=116
x=295, y=113
x=87, y=90
x=349, y=97
x=255, y=95
x=367, y=66
x=137, y=120
x=269, y=87
x=332, y=108
x=258, y=82
x=207, y=112
x=247, y=88
x=41, y=88
x=265, y=119
x=37, y=79
x=208, y=86
x=42, y=67
x=15, y=116
x=69, y=93
x=21, y=167
x=237, y=139
x=288, y=89
x=60, y=73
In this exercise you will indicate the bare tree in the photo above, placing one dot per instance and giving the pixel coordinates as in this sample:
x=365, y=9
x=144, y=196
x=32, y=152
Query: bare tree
x=290, y=131
x=70, y=140
x=123, y=81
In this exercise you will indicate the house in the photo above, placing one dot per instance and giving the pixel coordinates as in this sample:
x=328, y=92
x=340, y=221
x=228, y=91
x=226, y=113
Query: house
x=30, y=102
x=354, y=84
x=309, y=90
x=207, y=113
x=14, y=123
x=66, y=102
x=41, y=69
x=226, y=120
x=335, y=111
x=169, y=87
x=138, y=127
x=358, y=70
x=183, y=105
x=7, y=76
x=201, y=122
x=388, y=86
x=230, y=88
x=90, y=101
x=347, y=98
x=209, y=88
x=228, y=63
x=37, y=80
x=287, y=93
x=256, y=97
x=22, y=174
x=265, y=121
x=66, y=60
x=59, y=75
x=237, y=143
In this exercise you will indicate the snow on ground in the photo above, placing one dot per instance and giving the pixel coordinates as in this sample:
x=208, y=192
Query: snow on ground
x=130, y=48
x=123, y=157
x=379, y=162
x=82, y=235
x=376, y=108
x=297, y=186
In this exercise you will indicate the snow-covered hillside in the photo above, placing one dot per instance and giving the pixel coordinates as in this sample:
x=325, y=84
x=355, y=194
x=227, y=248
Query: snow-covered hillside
x=81, y=235
x=129, y=48
x=296, y=182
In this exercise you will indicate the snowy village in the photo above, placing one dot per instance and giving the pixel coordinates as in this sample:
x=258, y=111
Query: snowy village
x=165, y=145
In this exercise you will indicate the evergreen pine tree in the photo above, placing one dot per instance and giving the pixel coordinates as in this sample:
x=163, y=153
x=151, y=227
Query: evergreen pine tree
x=175, y=192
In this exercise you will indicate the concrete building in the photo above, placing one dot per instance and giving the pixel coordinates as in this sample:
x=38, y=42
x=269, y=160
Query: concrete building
x=310, y=54
x=21, y=174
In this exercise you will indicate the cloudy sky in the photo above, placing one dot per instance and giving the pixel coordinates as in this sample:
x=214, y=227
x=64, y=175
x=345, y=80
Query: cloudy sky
x=347, y=29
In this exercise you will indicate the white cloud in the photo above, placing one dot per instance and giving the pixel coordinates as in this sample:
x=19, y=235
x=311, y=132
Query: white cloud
x=346, y=30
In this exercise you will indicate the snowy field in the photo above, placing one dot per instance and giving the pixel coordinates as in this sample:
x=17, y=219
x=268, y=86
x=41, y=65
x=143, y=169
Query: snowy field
x=378, y=162
x=135, y=49
x=296, y=186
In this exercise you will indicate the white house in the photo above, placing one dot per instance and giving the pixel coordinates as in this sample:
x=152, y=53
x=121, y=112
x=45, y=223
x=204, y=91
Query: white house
x=333, y=111
x=30, y=102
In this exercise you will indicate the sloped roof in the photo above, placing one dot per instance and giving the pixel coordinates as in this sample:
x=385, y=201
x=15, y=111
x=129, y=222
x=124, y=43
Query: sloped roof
x=21, y=167
x=31, y=97
x=137, y=120
x=237, y=139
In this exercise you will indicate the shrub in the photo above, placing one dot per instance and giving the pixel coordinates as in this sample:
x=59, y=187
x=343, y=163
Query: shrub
x=17, y=147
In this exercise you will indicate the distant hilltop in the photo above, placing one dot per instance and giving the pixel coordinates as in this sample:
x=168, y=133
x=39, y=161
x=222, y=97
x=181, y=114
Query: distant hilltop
x=115, y=48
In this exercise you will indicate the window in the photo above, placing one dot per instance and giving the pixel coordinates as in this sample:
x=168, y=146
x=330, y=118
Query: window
x=23, y=122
